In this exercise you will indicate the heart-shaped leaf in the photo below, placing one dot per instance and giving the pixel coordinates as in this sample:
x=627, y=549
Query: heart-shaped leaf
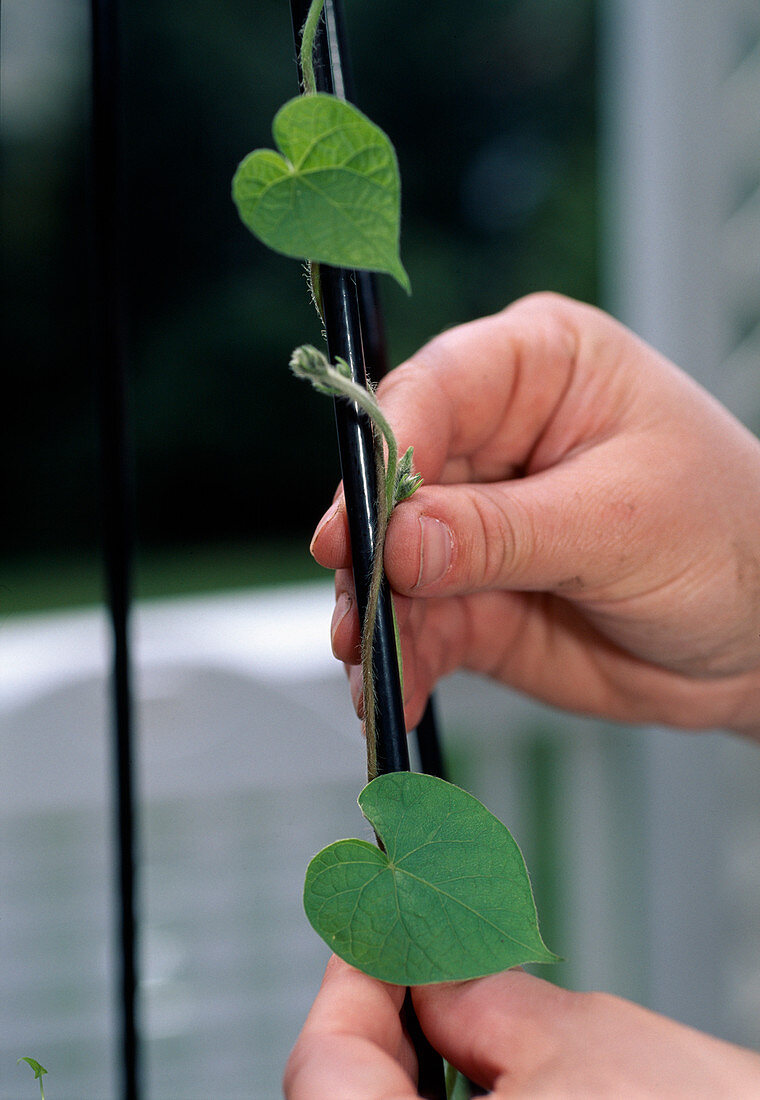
x=333, y=196
x=448, y=899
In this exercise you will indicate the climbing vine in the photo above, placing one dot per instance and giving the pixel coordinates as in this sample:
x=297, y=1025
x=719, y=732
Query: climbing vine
x=446, y=896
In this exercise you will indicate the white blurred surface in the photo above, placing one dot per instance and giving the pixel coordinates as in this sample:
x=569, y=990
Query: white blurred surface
x=249, y=760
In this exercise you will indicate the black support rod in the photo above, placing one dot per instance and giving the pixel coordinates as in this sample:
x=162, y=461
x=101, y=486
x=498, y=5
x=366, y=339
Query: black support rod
x=373, y=338
x=344, y=338
x=341, y=316
x=342, y=313
x=109, y=357
x=376, y=361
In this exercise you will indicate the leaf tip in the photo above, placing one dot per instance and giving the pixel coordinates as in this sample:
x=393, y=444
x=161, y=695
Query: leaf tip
x=399, y=274
x=35, y=1066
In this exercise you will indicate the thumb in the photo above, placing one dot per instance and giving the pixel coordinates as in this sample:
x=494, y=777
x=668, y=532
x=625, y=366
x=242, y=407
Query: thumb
x=495, y=1025
x=564, y=529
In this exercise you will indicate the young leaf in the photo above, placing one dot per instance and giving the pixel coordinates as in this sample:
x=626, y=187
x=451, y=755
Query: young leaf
x=38, y=1071
x=407, y=481
x=448, y=899
x=333, y=196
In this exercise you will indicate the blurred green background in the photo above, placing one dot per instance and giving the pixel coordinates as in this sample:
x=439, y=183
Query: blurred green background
x=493, y=118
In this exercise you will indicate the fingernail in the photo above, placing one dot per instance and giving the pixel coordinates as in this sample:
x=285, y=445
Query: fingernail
x=329, y=515
x=342, y=608
x=435, y=550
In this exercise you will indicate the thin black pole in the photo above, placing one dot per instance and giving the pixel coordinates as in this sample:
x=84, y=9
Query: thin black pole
x=376, y=360
x=343, y=324
x=110, y=364
x=372, y=326
x=344, y=338
x=355, y=442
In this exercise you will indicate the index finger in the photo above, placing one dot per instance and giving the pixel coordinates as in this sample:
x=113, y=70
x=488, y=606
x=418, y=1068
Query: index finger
x=352, y=1046
x=504, y=1024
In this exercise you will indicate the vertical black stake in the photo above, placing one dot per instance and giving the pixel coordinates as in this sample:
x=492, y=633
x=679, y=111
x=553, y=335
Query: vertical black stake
x=373, y=339
x=110, y=366
x=376, y=359
x=342, y=317
x=344, y=338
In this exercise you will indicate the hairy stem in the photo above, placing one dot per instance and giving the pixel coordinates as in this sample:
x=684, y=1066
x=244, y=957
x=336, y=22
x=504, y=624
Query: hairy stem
x=312, y=365
x=329, y=379
x=370, y=614
x=308, y=35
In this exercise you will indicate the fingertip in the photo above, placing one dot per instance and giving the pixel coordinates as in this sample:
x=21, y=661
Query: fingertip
x=415, y=697
x=436, y=551
x=414, y=707
x=351, y=1043
x=403, y=546
x=488, y=1025
x=330, y=543
x=344, y=629
x=419, y=548
x=355, y=688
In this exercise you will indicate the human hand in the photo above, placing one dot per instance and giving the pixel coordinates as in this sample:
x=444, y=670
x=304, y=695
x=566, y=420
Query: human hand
x=511, y=1033
x=588, y=531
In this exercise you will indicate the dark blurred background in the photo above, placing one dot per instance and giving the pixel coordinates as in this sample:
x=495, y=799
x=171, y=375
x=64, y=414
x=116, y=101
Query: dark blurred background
x=492, y=116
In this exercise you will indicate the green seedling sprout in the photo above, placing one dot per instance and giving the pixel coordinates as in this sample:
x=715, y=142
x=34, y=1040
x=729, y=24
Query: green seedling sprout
x=38, y=1071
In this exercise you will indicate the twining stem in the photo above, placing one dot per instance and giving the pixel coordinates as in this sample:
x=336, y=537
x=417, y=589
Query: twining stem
x=385, y=477
x=333, y=380
x=370, y=614
x=308, y=34
x=311, y=364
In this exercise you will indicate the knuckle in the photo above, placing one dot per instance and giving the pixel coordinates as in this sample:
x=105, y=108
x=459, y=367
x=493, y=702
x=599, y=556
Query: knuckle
x=541, y=300
x=593, y=1005
x=503, y=539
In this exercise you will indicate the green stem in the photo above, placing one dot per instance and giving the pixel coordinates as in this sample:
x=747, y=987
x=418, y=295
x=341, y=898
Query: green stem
x=315, y=287
x=333, y=381
x=312, y=365
x=385, y=481
x=308, y=34
x=370, y=614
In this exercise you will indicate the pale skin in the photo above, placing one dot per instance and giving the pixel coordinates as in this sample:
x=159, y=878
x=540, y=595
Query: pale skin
x=513, y=1034
x=588, y=532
